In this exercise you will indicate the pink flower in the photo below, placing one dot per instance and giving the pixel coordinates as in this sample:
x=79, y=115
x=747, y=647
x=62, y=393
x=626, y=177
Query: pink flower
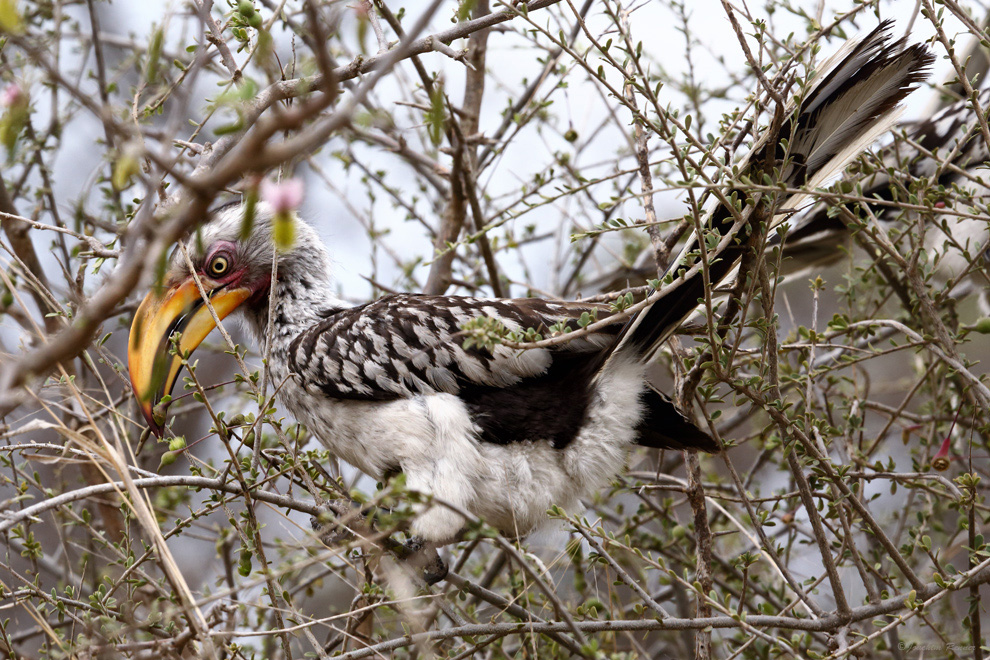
x=283, y=197
x=940, y=461
x=12, y=95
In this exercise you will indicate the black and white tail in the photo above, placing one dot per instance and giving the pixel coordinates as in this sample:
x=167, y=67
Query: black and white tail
x=940, y=148
x=849, y=103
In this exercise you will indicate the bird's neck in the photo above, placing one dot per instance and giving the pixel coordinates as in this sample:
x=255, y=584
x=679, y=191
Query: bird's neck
x=301, y=296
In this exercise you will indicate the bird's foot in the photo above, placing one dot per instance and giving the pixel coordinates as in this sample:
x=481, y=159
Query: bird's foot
x=423, y=556
x=417, y=553
x=326, y=524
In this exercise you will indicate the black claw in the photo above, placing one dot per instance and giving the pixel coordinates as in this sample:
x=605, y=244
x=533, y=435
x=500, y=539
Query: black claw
x=436, y=570
x=423, y=556
x=322, y=519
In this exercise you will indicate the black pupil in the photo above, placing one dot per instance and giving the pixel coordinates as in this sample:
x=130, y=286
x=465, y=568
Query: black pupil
x=219, y=265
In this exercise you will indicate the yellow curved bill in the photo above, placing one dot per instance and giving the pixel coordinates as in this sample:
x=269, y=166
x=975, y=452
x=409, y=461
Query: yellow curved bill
x=153, y=366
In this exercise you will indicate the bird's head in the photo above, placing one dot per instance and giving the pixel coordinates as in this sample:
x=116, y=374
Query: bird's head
x=233, y=266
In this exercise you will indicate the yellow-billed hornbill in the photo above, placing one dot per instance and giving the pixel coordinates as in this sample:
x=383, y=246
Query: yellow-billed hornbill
x=503, y=434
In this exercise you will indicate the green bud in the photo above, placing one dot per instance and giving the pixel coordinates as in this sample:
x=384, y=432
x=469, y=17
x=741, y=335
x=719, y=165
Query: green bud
x=284, y=231
x=244, y=564
x=158, y=414
x=10, y=18
x=167, y=459
x=127, y=165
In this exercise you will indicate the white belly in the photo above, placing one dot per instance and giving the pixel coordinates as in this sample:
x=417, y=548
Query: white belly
x=433, y=441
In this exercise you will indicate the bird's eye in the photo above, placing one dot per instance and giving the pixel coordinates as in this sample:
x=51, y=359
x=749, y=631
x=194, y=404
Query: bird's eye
x=219, y=265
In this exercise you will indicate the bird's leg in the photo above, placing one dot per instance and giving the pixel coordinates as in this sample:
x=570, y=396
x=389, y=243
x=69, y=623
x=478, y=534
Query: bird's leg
x=330, y=525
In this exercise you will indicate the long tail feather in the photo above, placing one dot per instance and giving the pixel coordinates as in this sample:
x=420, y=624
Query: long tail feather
x=816, y=234
x=846, y=108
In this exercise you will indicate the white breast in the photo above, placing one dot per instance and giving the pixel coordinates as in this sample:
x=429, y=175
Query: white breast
x=433, y=441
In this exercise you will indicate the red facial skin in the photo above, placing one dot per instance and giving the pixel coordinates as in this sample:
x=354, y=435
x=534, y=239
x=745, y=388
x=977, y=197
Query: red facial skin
x=237, y=272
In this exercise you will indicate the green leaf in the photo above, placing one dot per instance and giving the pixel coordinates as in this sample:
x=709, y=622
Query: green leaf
x=12, y=123
x=436, y=117
x=464, y=11
x=250, y=204
x=154, y=53
x=125, y=168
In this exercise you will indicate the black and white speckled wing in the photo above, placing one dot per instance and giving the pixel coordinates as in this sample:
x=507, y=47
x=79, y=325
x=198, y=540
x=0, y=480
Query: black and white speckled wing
x=404, y=345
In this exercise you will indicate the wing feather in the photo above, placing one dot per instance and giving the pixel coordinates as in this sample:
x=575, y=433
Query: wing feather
x=406, y=344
